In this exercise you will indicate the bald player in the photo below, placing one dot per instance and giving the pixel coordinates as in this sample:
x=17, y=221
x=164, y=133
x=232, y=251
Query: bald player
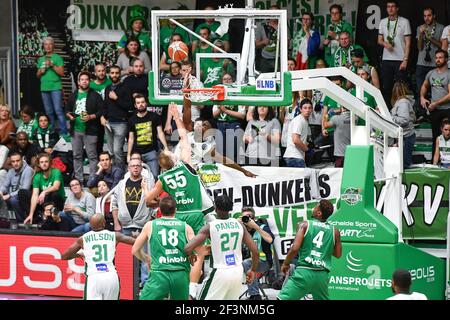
x=99, y=250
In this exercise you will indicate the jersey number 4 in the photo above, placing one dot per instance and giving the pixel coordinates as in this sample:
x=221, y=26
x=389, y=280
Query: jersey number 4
x=179, y=181
x=318, y=239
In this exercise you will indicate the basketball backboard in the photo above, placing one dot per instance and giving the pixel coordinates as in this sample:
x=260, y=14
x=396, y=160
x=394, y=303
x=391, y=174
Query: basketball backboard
x=255, y=82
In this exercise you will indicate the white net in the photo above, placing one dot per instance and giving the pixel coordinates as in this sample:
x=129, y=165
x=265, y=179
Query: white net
x=198, y=96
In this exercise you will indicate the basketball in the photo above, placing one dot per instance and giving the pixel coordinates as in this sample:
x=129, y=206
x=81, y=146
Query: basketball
x=178, y=51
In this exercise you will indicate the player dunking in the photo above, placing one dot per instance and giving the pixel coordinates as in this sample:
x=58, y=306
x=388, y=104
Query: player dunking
x=99, y=250
x=225, y=279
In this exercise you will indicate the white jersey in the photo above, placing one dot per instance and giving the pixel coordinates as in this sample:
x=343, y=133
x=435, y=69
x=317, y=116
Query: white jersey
x=444, y=150
x=201, y=151
x=411, y=296
x=226, y=243
x=99, y=249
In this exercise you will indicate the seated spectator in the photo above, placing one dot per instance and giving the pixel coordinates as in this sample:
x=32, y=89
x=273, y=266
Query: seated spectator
x=212, y=25
x=263, y=237
x=263, y=135
x=107, y=172
x=403, y=114
x=7, y=127
x=306, y=43
x=342, y=138
x=52, y=219
x=297, y=139
x=132, y=52
x=45, y=137
x=79, y=207
x=442, y=150
x=172, y=82
x=401, y=285
x=28, y=150
x=229, y=119
x=28, y=123
x=103, y=204
x=358, y=62
x=48, y=186
x=19, y=178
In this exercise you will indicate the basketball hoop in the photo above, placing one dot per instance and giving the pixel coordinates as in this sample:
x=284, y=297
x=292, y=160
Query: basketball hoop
x=216, y=93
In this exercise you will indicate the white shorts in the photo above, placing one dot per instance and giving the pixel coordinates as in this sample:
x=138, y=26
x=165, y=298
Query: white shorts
x=222, y=284
x=102, y=286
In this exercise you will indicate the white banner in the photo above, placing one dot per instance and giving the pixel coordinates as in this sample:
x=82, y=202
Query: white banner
x=283, y=196
x=96, y=20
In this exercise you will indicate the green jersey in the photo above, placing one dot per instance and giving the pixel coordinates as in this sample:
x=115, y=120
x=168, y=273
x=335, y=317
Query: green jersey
x=199, y=49
x=99, y=249
x=42, y=183
x=29, y=128
x=100, y=88
x=166, y=244
x=317, y=246
x=212, y=71
x=368, y=100
x=50, y=80
x=184, y=185
x=212, y=27
x=80, y=108
x=144, y=41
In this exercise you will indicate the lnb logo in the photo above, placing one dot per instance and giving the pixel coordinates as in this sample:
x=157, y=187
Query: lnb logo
x=353, y=263
x=162, y=260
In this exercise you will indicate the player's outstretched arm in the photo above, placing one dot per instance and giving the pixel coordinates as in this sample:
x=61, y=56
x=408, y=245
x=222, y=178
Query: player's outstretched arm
x=186, y=153
x=120, y=237
x=72, y=251
x=298, y=241
x=337, y=243
x=152, y=195
x=231, y=164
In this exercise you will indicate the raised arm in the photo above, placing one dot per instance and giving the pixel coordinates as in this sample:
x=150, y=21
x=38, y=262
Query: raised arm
x=186, y=151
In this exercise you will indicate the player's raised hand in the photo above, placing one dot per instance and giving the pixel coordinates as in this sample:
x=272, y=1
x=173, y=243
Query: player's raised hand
x=173, y=110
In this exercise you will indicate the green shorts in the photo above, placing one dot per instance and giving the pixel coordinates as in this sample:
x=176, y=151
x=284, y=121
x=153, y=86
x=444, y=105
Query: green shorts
x=305, y=281
x=195, y=219
x=166, y=284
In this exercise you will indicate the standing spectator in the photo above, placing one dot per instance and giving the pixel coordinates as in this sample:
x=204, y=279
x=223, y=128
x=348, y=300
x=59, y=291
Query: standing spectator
x=334, y=29
x=297, y=139
x=48, y=186
x=19, y=178
x=202, y=47
x=99, y=85
x=428, y=41
x=341, y=124
x=129, y=210
x=358, y=62
x=212, y=25
x=306, y=43
x=439, y=82
x=317, y=241
x=50, y=71
x=266, y=36
x=144, y=127
x=132, y=52
x=343, y=55
x=442, y=150
x=403, y=114
x=287, y=114
x=263, y=238
x=84, y=109
x=138, y=82
x=394, y=35
x=28, y=123
x=229, y=124
x=263, y=135
x=101, y=80
x=115, y=115
x=45, y=137
x=445, y=40
x=106, y=172
x=79, y=207
x=25, y=149
x=401, y=285
x=137, y=22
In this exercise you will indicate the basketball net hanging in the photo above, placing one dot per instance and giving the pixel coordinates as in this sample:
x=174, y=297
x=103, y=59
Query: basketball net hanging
x=196, y=93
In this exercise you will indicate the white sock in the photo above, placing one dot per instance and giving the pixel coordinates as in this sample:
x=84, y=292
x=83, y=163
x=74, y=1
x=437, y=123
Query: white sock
x=193, y=289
